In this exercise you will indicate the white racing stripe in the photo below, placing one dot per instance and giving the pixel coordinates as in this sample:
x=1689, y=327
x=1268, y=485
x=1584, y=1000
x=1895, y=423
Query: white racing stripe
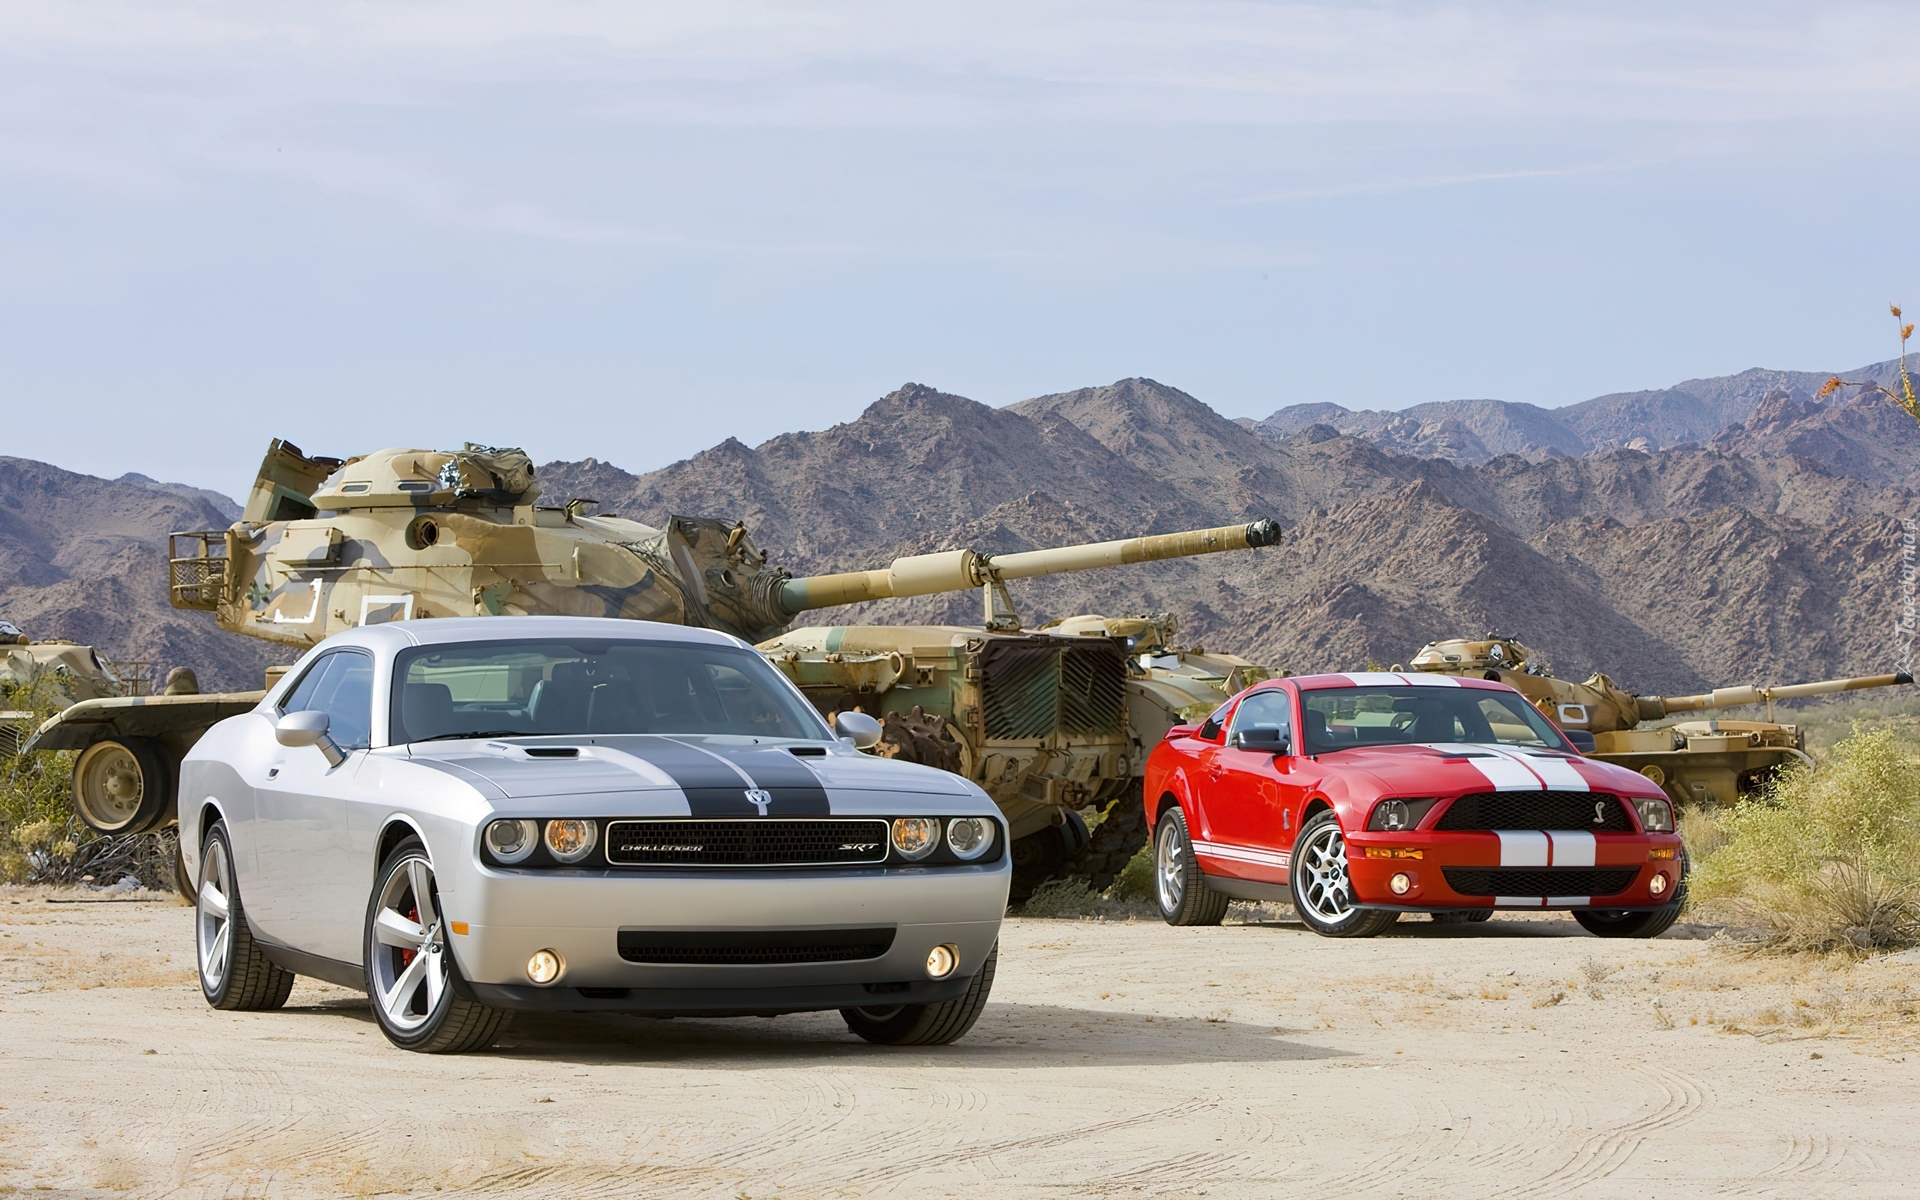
x=1246, y=854
x=1375, y=679
x=1573, y=848
x=1556, y=772
x=1523, y=848
x=1519, y=901
x=1429, y=679
x=1503, y=772
x=1568, y=902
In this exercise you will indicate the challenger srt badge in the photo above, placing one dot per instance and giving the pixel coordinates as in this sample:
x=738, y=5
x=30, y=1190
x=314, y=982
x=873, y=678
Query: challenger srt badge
x=759, y=799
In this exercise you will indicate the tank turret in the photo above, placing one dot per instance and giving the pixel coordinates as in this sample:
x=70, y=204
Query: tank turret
x=1711, y=761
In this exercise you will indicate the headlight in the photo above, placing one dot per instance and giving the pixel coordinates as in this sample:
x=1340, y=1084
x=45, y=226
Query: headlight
x=571, y=840
x=511, y=841
x=969, y=837
x=1394, y=816
x=915, y=837
x=1656, y=816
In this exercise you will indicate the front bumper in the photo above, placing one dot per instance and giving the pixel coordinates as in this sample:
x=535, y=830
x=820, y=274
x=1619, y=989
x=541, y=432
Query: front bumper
x=509, y=915
x=1524, y=870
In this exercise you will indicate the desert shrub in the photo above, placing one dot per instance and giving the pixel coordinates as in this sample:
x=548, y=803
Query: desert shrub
x=1135, y=880
x=1828, y=859
x=1061, y=898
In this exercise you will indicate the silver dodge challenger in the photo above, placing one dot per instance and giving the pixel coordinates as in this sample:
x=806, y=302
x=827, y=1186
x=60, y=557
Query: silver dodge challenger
x=468, y=818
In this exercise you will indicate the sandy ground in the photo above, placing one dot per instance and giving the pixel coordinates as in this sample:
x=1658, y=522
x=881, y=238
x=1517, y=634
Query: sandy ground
x=1516, y=1058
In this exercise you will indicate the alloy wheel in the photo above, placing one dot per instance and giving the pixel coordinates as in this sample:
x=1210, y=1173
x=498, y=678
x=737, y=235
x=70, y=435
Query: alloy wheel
x=1322, y=865
x=1170, y=867
x=214, y=919
x=409, y=961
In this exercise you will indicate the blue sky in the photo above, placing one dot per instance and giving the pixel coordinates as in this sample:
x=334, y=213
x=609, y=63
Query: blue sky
x=630, y=230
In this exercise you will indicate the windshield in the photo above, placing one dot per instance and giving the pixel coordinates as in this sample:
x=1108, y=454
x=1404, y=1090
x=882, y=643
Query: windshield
x=1342, y=718
x=499, y=689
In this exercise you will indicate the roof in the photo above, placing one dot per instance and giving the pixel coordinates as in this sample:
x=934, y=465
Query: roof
x=1394, y=679
x=395, y=635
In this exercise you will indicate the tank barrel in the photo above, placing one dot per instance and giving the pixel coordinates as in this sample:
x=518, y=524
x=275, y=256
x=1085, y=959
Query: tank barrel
x=1734, y=696
x=963, y=570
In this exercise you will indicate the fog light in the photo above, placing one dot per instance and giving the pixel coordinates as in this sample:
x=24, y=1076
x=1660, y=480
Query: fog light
x=545, y=966
x=1658, y=885
x=1400, y=884
x=941, y=960
x=571, y=840
x=915, y=837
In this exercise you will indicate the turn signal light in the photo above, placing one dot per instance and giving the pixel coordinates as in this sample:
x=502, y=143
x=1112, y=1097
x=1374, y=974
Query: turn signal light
x=1394, y=852
x=1660, y=852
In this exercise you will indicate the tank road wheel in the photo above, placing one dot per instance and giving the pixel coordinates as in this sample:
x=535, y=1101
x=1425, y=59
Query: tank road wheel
x=1322, y=892
x=234, y=975
x=926, y=1024
x=411, y=976
x=1619, y=923
x=1180, y=893
x=123, y=786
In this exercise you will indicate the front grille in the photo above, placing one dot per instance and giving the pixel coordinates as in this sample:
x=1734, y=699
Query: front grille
x=748, y=842
x=754, y=946
x=1033, y=687
x=1567, y=881
x=1537, y=810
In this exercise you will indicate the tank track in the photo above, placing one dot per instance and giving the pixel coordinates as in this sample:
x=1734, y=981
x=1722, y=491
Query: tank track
x=1116, y=840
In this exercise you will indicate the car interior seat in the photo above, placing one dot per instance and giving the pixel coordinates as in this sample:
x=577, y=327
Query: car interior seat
x=559, y=704
x=426, y=710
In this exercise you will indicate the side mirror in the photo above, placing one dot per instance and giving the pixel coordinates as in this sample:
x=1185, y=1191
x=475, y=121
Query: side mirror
x=1261, y=741
x=308, y=728
x=859, y=728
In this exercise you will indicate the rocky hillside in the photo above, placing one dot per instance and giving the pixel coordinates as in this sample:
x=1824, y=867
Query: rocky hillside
x=1674, y=570
x=1473, y=431
x=84, y=558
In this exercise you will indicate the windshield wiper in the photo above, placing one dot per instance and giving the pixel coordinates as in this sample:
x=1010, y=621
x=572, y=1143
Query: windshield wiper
x=477, y=733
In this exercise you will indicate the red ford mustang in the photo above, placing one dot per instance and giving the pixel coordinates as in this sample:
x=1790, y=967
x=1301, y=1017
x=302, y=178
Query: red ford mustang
x=1362, y=796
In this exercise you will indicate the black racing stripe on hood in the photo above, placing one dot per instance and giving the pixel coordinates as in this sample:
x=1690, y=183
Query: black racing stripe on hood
x=715, y=790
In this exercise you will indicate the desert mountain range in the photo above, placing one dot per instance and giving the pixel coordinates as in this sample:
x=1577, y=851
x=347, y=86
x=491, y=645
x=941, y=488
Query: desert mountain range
x=1724, y=530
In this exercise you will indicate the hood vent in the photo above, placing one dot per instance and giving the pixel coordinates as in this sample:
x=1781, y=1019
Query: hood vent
x=552, y=751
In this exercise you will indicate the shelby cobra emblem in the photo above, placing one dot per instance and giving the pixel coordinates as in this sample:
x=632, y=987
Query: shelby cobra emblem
x=759, y=798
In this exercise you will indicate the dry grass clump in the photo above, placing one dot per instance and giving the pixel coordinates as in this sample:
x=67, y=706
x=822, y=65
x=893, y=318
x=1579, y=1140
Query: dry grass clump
x=1135, y=880
x=1824, y=860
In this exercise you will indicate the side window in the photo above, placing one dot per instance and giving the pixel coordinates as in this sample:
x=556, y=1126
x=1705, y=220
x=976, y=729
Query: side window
x=1211, y=730
x=1264, y=710
x=340, y=685
x=300, y=699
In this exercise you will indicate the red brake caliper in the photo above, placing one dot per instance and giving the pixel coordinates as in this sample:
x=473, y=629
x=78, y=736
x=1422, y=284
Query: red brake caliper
x=406, y=956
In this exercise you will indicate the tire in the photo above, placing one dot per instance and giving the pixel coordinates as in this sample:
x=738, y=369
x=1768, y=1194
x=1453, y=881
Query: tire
x=234, y=975
x=123, y=785
x=1322, y=891
x=1038, y=856
x=413, y=984
x=1462, y=916
x=926, y=1024
x=1648, y=923
x=1180, y=892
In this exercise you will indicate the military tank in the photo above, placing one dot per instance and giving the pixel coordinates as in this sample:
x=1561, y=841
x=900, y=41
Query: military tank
x=1708, y=762
x=1050, y=722
x=327, y=544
